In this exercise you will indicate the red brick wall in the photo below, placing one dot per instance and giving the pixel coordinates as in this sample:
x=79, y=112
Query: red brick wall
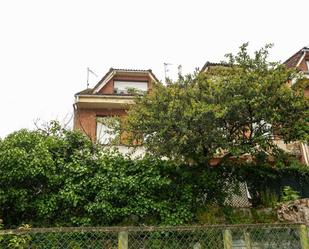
x=303, y=67
x=108, y=88
x=303, y=64
x=85, y=119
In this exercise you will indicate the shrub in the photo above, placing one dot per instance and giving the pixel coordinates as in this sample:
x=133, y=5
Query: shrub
x=57, y=177
x=289, y=194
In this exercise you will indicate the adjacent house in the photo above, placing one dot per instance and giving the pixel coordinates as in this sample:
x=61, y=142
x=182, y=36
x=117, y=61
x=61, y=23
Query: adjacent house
x=300, y=60
x=110, y=97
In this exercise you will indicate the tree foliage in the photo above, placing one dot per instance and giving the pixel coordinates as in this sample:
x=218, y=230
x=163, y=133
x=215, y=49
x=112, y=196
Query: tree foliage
x=234, y=109
x=32, y=164
x=58, y=177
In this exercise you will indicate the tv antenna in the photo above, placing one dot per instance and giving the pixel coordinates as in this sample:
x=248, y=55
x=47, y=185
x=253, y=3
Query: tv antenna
x=179, y=70
x=90, y=71
x=166, y=70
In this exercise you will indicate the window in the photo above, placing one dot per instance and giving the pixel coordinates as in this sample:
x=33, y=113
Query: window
x=262, y=128
x=307, y=63
x=122, y=87
x=107, y=131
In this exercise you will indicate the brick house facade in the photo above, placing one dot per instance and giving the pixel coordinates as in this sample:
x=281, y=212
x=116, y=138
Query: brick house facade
x=110, y=97
x=300, y=60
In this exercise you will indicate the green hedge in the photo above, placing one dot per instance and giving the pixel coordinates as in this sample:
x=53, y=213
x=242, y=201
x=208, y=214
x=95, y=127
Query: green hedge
x=58, y=177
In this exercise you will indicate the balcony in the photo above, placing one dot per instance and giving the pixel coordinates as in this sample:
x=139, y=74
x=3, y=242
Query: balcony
x=111, y=101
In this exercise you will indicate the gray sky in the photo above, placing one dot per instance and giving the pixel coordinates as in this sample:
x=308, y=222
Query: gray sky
x=46, y=46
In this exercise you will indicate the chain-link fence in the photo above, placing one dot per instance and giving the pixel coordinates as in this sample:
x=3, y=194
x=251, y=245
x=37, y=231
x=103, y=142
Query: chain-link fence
x=279, y=236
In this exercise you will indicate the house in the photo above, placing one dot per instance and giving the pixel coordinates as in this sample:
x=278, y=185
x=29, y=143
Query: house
x=110, y=97
x=300, y=60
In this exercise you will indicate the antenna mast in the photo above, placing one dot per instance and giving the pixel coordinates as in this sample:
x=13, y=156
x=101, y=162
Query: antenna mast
x=87, y=77
x=90, y=71
x=166, y=70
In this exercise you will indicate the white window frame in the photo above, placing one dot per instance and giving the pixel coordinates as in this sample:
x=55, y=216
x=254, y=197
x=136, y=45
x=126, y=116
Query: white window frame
x=104, y=135
x=121, y=86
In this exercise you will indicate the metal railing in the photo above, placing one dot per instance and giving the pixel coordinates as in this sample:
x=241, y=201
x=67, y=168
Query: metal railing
x=279, y=236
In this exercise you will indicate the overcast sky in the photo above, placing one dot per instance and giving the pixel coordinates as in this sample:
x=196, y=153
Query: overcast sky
x=46, y=46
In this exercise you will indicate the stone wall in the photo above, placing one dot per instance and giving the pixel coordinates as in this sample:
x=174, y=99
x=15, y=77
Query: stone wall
x=294, y=211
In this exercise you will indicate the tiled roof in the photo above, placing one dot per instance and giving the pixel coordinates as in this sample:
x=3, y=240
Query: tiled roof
x=294, y=59
x=85, y=91
x=291, y=62
x=126, y=71
x=131, y=70
x=212, y=64
x=116, y=70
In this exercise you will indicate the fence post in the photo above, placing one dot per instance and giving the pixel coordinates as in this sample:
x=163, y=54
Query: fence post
x=247, y=240
x=123, y=240
x=227, y=239
x=303, y=235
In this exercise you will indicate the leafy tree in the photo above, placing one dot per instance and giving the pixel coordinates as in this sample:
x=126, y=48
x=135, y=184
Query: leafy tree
x=232, y=110
x=53, y=176
x=32, y=165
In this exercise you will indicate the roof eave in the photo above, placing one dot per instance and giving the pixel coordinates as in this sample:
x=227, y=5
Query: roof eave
x=112, y=72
